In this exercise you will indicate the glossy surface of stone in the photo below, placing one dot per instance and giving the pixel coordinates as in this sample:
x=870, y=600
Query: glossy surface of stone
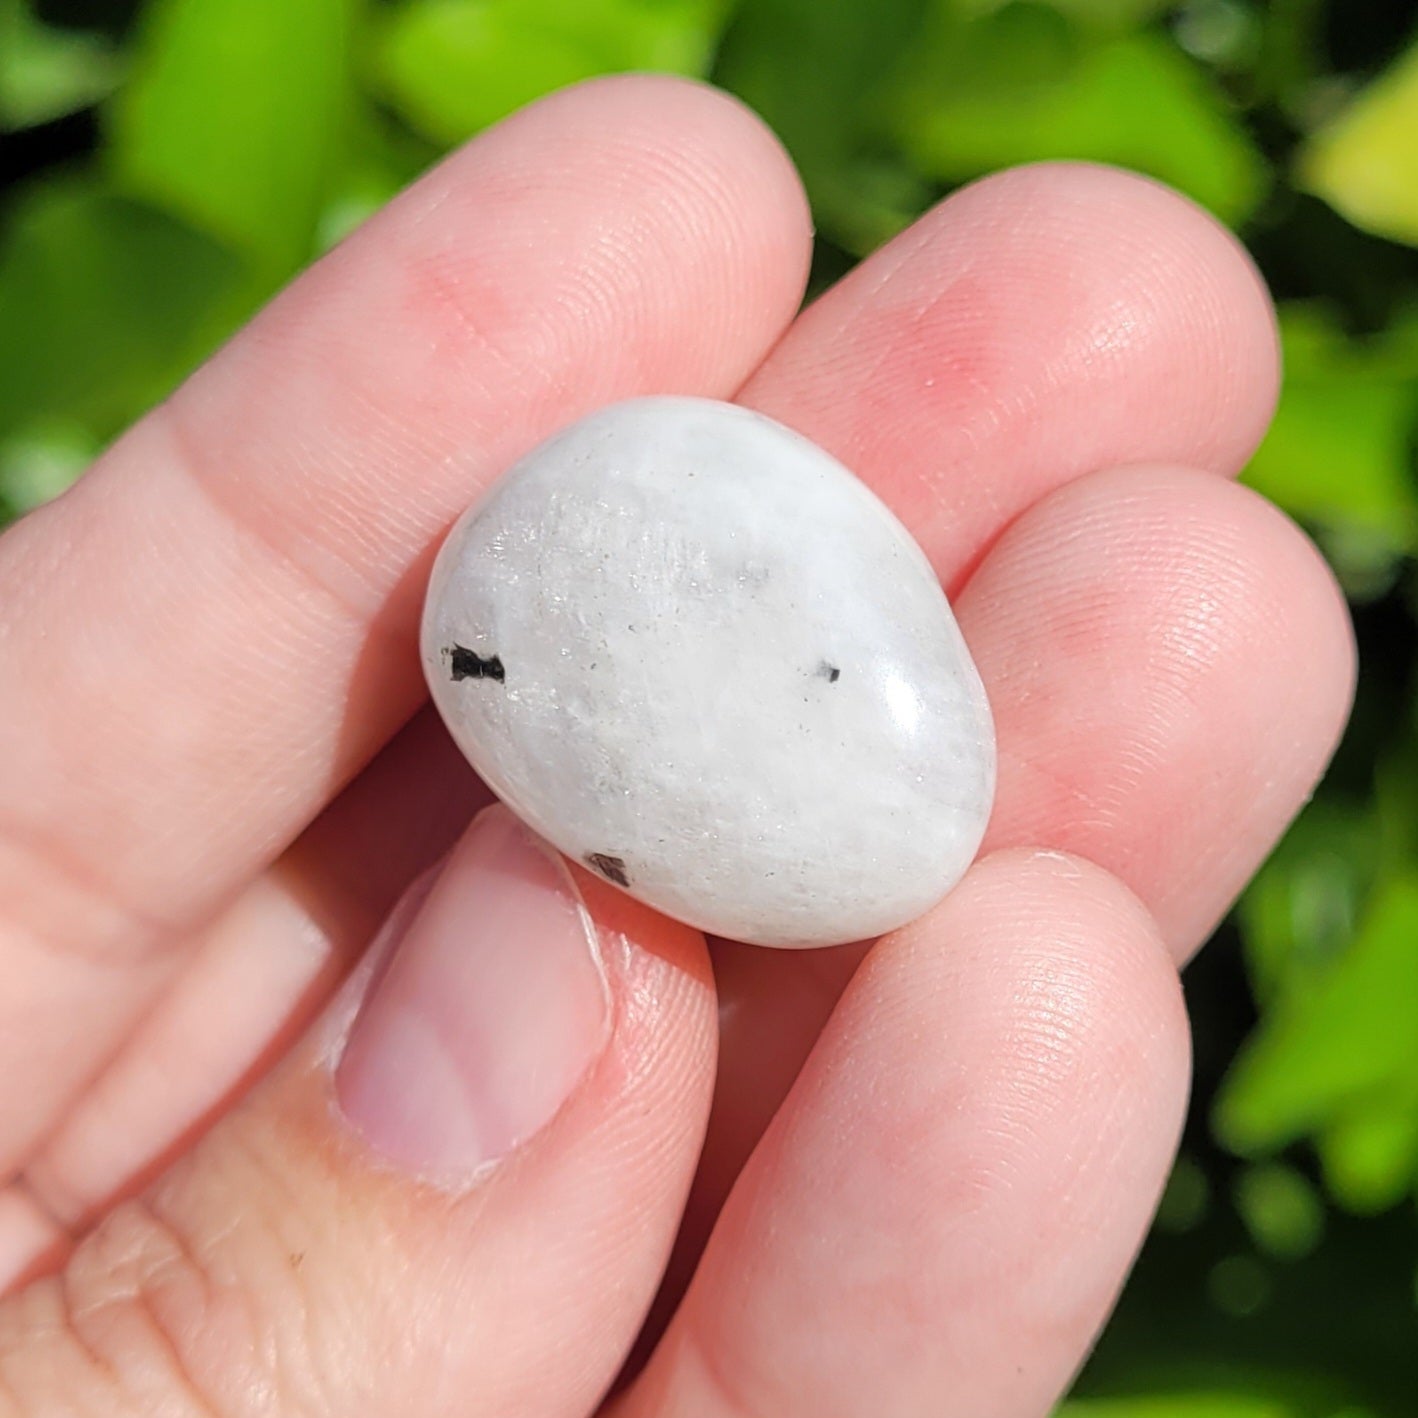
x=697, y=654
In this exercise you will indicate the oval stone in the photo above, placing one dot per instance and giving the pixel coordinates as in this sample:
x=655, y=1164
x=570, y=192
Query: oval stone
x=694, y=652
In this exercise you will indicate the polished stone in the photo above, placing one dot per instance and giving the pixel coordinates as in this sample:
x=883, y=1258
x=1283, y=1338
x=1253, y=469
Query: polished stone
x=695, y=653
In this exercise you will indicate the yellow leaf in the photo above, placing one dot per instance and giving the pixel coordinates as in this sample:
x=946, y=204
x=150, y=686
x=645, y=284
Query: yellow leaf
x=1364, y=162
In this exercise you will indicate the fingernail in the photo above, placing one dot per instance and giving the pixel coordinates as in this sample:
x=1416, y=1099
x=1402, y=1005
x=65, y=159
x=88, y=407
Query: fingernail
x=488, y=1014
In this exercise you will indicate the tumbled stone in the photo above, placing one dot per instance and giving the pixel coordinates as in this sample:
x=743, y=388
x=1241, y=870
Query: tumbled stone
x=695, y=653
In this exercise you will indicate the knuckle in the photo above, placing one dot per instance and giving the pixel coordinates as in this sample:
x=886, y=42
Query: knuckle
x=147, y=1319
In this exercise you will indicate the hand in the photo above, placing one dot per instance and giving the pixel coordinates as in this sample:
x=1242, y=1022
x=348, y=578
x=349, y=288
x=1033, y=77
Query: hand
x=207, y=652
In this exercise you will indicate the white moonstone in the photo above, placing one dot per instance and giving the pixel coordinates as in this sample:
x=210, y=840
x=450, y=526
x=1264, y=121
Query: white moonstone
x=695, y=653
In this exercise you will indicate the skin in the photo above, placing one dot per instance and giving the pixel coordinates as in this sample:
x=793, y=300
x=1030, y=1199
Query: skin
x=927, y=1163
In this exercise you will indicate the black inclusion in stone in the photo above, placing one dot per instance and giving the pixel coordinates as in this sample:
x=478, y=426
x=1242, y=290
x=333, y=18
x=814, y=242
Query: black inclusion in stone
x=612, y=868
x=468, y=664
x=828, y=672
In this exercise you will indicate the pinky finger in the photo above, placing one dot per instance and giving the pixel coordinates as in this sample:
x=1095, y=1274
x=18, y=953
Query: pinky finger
x=947, y=1203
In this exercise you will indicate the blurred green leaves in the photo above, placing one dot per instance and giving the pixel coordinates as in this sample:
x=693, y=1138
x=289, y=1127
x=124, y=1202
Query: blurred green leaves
x=1022, y=83
x=269, y=128
x=117, y=300
x=1335, y=1050
x=820, y=74
x=46, y=73
x=234, y=118
x=40, y=463
x=1369, y=1154
x=1282, y=1211
x=1365, y=161
x=452, y=67
x=1339, y=454
x=883, y=105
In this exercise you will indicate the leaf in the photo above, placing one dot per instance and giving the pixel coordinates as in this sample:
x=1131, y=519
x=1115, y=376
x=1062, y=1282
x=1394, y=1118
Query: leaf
x=1021, y=86
x=235, y=119
x=1186, y=1198
x=819, y=72
x=1299, y=914
x=40, y=463
x=1370, y=1156
x=47, y=72
x=1338, y=453
x=1226, y=34
x=452, y=67
x=1364, y=161
x=1349, y=1040
x=104, y=306
x=1281, y=1210
x=1336, y=457
x=383, y=158
x=1104, y=14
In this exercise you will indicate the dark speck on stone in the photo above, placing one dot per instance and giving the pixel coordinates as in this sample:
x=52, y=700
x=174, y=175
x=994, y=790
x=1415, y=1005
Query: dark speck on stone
x=468, y=664
x=828, y=672
x=612, y=868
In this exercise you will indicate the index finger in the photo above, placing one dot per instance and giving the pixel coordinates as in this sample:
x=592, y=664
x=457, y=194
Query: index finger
x=215, y=628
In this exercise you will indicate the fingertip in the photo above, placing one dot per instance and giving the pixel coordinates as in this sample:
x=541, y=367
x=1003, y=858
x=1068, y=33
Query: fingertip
x=1247, y=590
x=1168, y=252
x=1321, y=642
x=1171, y=665
x=724, y=183
x=989, y=1115
x=1035, y=326
x=682, y=110
x=1080, y=941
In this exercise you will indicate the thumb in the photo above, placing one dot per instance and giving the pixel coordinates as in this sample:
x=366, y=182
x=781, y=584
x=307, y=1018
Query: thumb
x=456, y=1196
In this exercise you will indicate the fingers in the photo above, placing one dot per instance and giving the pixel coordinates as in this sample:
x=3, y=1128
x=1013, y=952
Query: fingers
x=1190, y=305
x=944, y=1208
x=262, y=969
x=462, y=1209
x=1170, y=665
x=237, y=583
x=1038, y=325
x=887, y=376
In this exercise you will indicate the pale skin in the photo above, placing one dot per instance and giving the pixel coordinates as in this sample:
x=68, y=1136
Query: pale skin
x=942, y=1164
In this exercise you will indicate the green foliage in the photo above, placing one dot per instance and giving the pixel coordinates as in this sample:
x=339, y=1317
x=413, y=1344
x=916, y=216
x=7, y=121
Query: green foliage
x=46, y=73
x=451, y=68
x=117, y=300
x=239, y=138
x=1365, y=161
x=117, y=289
x=821, y=74
x=1281, y=1210
x=1337, y=455
x=1022, y=82
x=1337, y=1042
x=234, y=116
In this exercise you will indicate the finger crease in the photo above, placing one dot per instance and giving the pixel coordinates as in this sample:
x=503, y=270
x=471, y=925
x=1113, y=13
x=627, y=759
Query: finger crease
x=130, y=935
x=214, y=491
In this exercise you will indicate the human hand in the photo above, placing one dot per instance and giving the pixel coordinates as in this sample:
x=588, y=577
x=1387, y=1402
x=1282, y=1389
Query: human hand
x=207, y=652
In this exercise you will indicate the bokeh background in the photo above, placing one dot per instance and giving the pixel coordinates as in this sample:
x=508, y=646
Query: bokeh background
x=169, y=163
